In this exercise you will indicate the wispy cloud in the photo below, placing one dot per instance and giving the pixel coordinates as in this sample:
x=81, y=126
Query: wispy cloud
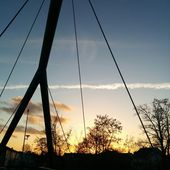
x=34, y=107
x=35, y=110
x=30, y=130
x=10, y=106
x=15, y=87
x=113, y=86
x=61, y=106
x=33, y=119
x=35, y=114
x=21, y=128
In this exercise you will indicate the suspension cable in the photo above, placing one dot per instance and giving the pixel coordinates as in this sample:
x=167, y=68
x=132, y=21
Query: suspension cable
x=62, y=129
x=114, y=59
x=79, y=70
x=3, y=31
x=21, y=49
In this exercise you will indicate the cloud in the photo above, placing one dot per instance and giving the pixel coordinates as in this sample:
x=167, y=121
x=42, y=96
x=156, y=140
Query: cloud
x=15, y=87
x=21, y=128
x=55, y=119
x=116, y=86
x=39, y=119
x=10, y=107
x=34, y=120
x=35, y=116
x=34, y=107
x=61, y=106
x=113, y=86
x=30, y=130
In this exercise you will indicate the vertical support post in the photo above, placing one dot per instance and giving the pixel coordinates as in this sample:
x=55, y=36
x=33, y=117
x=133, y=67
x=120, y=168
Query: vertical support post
x=46, y=110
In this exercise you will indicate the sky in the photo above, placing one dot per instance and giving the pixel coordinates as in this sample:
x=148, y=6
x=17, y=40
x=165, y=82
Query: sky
x=138, y=32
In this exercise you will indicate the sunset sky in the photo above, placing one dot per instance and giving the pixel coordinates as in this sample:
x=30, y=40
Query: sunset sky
x=139, y=34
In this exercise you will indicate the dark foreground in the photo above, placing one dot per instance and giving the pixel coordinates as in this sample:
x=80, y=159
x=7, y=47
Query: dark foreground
x=144, y=159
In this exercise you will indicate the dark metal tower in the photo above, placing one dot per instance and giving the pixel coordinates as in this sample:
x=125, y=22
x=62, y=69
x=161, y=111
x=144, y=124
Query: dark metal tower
x=40, y=78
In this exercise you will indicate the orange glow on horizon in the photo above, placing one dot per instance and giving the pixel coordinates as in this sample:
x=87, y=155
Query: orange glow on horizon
x=16, y=142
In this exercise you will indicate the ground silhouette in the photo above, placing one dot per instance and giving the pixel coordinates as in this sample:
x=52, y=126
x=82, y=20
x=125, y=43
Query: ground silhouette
x=143, y=159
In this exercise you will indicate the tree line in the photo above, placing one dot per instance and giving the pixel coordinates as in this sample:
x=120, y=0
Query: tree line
x=106, y=132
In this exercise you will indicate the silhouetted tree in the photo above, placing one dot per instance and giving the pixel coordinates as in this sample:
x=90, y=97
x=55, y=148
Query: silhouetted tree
x=156, y=119
x=130, y=144
x=41, y=145
x=102, y=136
x=60, y=142
x=142, y=143
x=27, y=148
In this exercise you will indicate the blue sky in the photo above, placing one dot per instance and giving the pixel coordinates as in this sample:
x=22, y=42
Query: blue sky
x=139, y=34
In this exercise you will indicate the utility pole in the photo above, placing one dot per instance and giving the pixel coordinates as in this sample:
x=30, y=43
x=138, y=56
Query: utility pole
x=25, y=132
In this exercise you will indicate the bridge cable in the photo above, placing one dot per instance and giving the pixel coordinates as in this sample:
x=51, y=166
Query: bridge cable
x=114, y=59
x=3, y=31
x=79, y=70
x=22, y=48
x=62, y=129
